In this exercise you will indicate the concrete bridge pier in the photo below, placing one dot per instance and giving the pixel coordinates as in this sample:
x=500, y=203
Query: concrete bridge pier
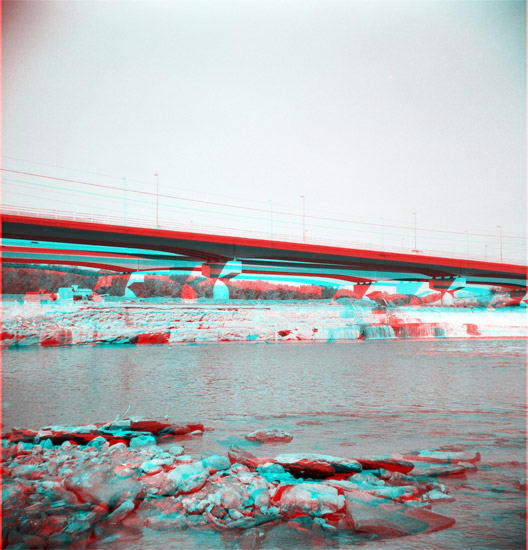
x=447, y=285
x=219, y=271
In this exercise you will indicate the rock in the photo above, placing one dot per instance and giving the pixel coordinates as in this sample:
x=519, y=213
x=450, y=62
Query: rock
x=394, y=493
x=14, y=537
x=59, y=540
x=176, y=450
x=316, y=466
x=106, y=490
x=57, y=494
x=156, y=465
x=272, y=435
x=27, y=471
x=187, y=478
x=216, y=462
x=159, y=428
x=386, y=520
x=123, y=471
x=387, y=463
x=161, y=513
x=98, y=442
x=101, y=486
x=237, y=455
x=34, y=541
x=121, y=511
x=77, y=526
x=435, y=522
x=24, y=448
x=37, y=450
x=274, y=472
x=142, y=441
x=435, y=496
x=14, y=494
x=436, y=469
x=444, y=456
x=309, y=498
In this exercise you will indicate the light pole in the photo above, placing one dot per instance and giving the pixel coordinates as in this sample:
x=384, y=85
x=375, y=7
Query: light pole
x=486, y=251
x=403, y=242
x=303, y=216
x=157, y=198
x=415, y=249
x=271, y=219
x=124, y=202
x=500, y=228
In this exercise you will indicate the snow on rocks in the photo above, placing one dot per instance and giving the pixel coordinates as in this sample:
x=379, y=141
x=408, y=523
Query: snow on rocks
x=316, y=465
x=272, y=435
x=386, y=462
x=377, y=518
x=135, y=432
x=446, y=455
x=312, y=499
x=75, y=494
x=125, y=322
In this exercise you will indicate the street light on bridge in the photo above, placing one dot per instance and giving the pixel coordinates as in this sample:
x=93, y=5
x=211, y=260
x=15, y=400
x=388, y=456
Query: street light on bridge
x=303, y=224
x=500, y=229
x=124, y=202
x=415, y=247
x=271, y=219
x=157, y=198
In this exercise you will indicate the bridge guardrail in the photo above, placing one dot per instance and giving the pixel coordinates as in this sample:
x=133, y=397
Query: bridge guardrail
x=227, y=231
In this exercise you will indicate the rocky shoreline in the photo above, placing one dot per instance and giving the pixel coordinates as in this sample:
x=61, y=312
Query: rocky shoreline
x=77, y=486
x=166, y=323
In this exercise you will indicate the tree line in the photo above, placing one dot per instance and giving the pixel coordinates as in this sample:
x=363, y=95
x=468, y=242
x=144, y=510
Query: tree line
x=19, y=280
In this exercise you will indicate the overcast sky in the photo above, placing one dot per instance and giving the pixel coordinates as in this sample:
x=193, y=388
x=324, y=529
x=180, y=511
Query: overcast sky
x=371, y=110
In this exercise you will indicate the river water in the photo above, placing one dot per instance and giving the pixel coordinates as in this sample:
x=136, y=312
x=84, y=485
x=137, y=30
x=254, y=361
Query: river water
x=350, y=399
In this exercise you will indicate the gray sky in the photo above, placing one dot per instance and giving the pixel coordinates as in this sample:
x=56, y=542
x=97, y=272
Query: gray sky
x=371, y=110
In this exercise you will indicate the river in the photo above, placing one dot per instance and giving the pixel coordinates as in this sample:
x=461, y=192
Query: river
x=349, y=399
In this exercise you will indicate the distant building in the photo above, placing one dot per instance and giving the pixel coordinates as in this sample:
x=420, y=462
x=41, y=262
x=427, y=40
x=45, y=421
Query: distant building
x=40, y=297
x=74, y=293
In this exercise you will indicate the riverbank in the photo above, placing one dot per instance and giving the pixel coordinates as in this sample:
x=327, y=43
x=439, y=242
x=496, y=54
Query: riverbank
x=75, y=486
x=177, y=323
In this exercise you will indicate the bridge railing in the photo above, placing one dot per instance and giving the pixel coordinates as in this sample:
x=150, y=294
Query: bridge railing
x=237, y=232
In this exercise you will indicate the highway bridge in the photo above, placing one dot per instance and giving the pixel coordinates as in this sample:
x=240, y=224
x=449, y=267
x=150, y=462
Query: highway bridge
x=52, y=241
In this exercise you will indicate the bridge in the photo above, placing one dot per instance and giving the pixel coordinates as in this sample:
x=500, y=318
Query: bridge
x=119, y=248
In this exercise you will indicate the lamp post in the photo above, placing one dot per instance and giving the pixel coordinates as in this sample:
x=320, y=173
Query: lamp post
x=157, y=199
x=500, y=229
x=303, y=224
x=124, y=202
x=415, y=249
x=271, y=219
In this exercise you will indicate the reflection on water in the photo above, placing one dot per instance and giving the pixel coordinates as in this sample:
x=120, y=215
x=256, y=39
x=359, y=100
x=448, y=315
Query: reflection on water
x=343, y=399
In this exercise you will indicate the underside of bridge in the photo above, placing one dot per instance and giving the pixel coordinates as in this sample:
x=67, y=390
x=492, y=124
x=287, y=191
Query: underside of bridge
x=127, y=249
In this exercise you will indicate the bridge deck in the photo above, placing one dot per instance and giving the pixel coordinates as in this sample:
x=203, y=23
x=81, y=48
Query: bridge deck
x=261, y=255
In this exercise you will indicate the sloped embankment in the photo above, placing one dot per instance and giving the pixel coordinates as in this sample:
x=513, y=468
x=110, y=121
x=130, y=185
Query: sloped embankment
x=140, y=323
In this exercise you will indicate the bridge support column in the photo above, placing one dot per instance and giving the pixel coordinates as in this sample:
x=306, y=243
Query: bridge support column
x=447, y=285
x=218, y=271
